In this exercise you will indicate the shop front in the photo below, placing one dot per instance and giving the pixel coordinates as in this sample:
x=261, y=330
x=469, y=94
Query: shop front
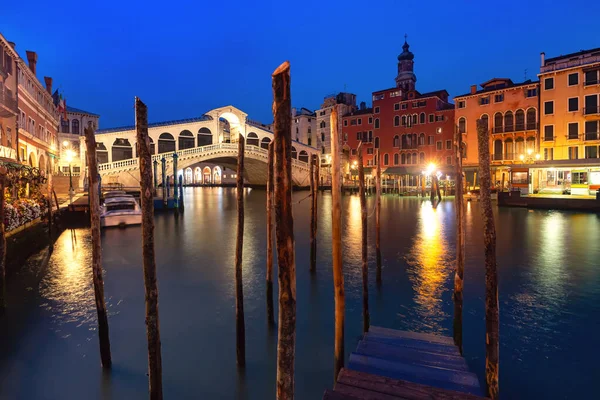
x=574, y=177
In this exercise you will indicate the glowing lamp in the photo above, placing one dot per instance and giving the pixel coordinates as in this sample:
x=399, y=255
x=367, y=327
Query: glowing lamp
x=66, y=143
x=522, y=157
x=537, y=156
x=430, y=168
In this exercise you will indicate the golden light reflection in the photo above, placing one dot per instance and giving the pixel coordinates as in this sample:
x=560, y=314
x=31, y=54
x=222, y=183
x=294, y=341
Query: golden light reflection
x=428, y=266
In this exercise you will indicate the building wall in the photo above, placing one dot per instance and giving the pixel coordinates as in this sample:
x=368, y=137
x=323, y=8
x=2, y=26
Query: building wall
x=8, y=102
x=344, y=103
x=469, y=109
x=561, y=117
x=304, y=127
x=71, y=133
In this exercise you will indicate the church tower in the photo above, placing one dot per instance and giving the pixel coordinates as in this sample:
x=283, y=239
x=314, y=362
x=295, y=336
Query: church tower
x=406, y=78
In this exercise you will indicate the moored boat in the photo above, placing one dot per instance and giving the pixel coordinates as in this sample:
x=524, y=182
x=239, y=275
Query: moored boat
x=120, y=210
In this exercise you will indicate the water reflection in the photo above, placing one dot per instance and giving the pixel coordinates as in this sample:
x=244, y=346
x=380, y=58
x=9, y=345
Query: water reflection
x=428, y=266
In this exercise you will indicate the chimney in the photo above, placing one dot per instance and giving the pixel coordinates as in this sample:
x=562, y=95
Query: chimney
x=13, y=45
x=473, y=89
x=48, y=81
x=363, y=105
x=543, y=58
x=32, y=60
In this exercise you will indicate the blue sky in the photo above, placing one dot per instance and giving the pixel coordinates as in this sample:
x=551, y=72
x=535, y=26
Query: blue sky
x=186, y=57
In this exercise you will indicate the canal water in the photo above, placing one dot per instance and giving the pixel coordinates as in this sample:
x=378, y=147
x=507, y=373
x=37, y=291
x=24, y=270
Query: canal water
x=549, y=279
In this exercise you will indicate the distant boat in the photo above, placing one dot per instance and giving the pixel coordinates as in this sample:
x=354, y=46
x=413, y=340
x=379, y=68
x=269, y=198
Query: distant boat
x=120, y=209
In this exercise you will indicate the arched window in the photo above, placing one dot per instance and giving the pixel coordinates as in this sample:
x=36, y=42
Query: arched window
x=462, y=125
x=323, y=150
x=396, y=120
x=414, y=158
x=252, y=139
x=509, y=150
x=166, y=143
x=531, y=119
x=422, y=139
x=520, y=120
x=422, y=118
x=121, y=150
x=498, y=123
x=322, y=136
x=414, y=119
x=485, y=120
x=396, y=159
x=322, y=124
x=519, y=147
x=376, y=123
x=421, y=158
x=396, y=141
x=75, y=127
x=376, y=142
x=386, y=159
x=204, y=137
x=404, y=120
x=303, y=156
x=509, y=122
x=264, y=143
x=186, y=140
x=101, y=153
x=403, y=159
x=497, y=150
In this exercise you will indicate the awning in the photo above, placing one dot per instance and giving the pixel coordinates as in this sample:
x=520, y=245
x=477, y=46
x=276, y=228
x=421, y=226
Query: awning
x=368, y=171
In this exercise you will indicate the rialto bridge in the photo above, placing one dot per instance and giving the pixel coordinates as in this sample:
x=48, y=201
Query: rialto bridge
x=210, y=138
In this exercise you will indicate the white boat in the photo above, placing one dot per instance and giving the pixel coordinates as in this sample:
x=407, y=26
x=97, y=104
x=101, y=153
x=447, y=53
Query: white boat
x=120, y=211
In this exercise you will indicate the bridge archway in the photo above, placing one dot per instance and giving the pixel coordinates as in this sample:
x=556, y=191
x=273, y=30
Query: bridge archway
x=264, y=143
x=230, y=125
x=186, y=140
x=294, y=152
x=166, y=143
x=101, y=153
x=198, y=175
x=121, y=149
x=206, y=173
x=216, y=175
x=204, y=137
x=188, y=176
x=303, y=156
x=252, y=139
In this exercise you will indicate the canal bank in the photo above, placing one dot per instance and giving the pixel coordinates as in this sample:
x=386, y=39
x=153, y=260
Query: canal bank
x=549, y=300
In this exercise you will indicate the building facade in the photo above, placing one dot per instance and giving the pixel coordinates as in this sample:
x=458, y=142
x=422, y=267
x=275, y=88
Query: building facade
x=71, y=129
x=38, y=117
x=510, y=111
x=344, y=103
x=411, y=129
x=8, y=103
x=304, y=126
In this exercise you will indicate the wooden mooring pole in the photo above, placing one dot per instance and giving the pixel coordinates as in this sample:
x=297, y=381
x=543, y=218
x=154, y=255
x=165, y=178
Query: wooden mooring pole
x=270, y=189
x=148, y=256
x=240, y=329
x=336, y=246
x=378, y=218
x=94, y=197
x=2, y=241
x=363, y=220
x=460, y=242
x=286, y=257
x=314, y=182
x=491, y=276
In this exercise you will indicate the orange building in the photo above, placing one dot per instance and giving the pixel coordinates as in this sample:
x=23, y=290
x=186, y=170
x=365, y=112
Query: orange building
x=511, y=113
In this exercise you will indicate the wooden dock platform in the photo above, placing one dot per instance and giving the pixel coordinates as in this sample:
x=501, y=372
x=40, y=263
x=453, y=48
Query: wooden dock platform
x=389, y=364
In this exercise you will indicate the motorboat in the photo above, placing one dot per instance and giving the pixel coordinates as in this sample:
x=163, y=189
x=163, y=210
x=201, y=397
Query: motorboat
x=120, y=210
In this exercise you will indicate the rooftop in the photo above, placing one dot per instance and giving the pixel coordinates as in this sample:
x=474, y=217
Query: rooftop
x=156, y=124
x=488, y=89
x=359, y=112
x=571, y=55
x=80, y=111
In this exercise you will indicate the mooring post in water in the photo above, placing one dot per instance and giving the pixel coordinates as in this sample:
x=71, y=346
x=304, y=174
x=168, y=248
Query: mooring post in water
x=284, y=226
x=460, y=242
x=491, y=276
x=155, y=175
x=363, y=220
x=3, y=172
x=336, y=245
x=94, y=196
x=181, y=193
x=270, y=189
x=378, y=216
x=314, y=182
x=175, y=188
x=148, y=255
x=163, y=162
x=240, y=329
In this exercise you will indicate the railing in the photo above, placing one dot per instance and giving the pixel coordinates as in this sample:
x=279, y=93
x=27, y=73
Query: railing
x=572, y=137
x=497, y=157
x=515, y=128
x=520, y=127
x=548, y=138
x=532, y=126
x=498, y=129
x=509, y=128
x=591, y=110
x=8, y=100
x=591, y=82
x=569, y=64
x=591, y=135
x=509, y=156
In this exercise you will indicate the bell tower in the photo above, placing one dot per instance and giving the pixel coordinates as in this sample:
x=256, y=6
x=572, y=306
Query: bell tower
x=406, y=77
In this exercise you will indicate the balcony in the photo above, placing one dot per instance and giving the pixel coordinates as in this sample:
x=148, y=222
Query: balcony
x=591, y=135
x=498, y=129
x=8, y=104
x=531, y=126
x=594, y=110
x=548, y=138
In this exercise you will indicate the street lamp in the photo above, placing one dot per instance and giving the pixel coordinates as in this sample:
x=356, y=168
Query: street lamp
x=530, y=158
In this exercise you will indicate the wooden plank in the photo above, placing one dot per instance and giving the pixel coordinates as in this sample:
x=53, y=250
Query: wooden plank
x=399, y=388
x=442, y=378
x=416, y=344
x=363, y=394
x=331, y=395
x=427, y=337
x=411, y=356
